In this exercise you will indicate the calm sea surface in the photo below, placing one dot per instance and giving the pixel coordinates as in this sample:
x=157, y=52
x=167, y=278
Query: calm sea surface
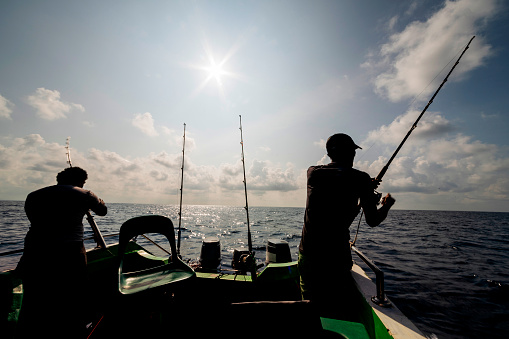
x=447, y=271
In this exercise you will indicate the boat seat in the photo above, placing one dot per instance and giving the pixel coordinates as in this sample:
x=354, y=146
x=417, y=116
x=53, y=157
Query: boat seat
x=175, y=271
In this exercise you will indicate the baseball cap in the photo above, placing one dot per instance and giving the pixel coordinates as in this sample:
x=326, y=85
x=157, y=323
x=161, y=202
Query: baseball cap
x=340, y=141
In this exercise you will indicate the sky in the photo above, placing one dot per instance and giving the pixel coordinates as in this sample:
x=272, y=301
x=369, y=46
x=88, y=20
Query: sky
x=121, y=78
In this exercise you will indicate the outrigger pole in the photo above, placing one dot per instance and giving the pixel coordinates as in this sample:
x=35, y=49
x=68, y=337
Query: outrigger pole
x=97, y=234
x=386, y=167
x=181, y=190
x=252, y=261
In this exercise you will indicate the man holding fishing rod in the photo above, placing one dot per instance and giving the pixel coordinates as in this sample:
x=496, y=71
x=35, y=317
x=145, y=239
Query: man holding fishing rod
x=335, y=194
x=54, y=262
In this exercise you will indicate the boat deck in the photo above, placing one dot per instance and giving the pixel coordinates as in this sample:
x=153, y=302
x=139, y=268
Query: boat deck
x=214, y=304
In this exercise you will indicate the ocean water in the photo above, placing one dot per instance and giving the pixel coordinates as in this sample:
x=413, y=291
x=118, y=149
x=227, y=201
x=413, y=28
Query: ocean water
x=447, y=271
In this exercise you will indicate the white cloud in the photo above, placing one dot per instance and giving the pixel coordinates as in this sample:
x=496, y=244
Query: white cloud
x=458, y=165
x=167, y=160
x=167, y=131
x=446, y=167
x=145, y=123
x=413, y=57
x=49, y=106
x=321, y=143
x=431, y=125
x=5, y=108
x=392, y=22
x=29, y=163
x=267, y=177
x=262, y=176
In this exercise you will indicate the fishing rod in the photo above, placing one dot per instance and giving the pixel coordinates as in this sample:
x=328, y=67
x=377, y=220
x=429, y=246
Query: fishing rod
x=181, y=190
x=249, y=241
x=97, y=234
x=414, y=126
x=380, y=175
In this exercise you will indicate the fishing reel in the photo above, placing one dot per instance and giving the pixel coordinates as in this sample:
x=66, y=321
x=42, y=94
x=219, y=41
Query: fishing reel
x=377, y=195
x=380, y=200
x=243, y=260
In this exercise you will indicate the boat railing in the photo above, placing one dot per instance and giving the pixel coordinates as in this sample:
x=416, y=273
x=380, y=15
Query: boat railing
x=380, y=299
x=89, y=238
x=104, y=236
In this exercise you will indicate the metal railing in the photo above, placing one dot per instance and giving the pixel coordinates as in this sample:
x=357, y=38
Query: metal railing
x=380, y=299
x=89, y=238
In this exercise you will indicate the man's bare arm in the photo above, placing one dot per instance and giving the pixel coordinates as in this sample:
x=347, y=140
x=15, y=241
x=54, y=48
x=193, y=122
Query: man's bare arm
x=375, y=216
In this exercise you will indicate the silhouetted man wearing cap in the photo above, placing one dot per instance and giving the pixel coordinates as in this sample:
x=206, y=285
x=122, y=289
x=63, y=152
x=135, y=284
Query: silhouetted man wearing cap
x=335, y=193
x=54, y=263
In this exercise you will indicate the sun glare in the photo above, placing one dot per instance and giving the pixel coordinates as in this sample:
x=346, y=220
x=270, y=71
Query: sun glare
x=216, y=70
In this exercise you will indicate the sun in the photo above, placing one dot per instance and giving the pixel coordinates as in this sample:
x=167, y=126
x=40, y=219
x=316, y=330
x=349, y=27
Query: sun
x=215, y=71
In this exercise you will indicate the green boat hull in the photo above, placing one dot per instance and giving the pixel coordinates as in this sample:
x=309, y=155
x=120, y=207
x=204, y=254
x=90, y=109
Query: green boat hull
x=211, y=303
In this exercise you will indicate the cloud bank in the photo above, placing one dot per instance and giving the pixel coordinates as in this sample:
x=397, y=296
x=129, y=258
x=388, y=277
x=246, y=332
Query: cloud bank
x=412, y=57
x=145, y=123
x=48, y=105
x=30, y=163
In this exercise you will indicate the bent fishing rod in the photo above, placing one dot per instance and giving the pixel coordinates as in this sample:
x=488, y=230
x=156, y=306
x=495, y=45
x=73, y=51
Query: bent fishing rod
x=414, y=126
x=181, y=190
x=380, y=175
x=97, y=234
x=249, y=241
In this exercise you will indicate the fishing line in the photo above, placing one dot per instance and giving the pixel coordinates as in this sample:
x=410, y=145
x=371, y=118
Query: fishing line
x=380, y=175
x=357, y=233
x=417, y=96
